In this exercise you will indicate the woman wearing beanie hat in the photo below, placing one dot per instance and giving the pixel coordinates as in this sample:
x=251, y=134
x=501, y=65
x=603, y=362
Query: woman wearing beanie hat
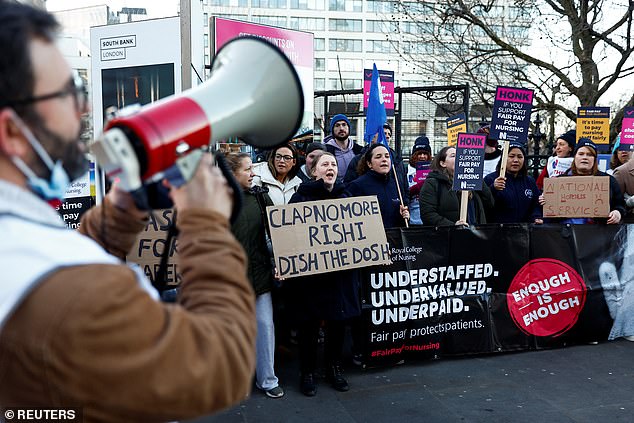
x=313, y=150
x=585, y=164
x=619, y=157
x=561, y=160
x=516, y=194
x=421, y=156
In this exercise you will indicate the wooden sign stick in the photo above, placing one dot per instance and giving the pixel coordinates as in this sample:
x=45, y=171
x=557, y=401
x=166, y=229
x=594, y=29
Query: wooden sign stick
x=464, y=200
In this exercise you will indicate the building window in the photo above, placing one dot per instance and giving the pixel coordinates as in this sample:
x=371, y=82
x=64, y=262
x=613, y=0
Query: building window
x=270, y=20
x=379, y=6
x=308, y=4
x=345, y=25
x=340, y=44
x=383, y=27
x=206, y=40
x=416, y=28
x=320, y=64
x=319, y=44
x=417, y=7
x=307, y=24
x=345, y=5
x=320, y=84
x=347, y=65
x=417, y=47
x=269, y=4
x=348, y=84
x=384, y=46
x=239, y=3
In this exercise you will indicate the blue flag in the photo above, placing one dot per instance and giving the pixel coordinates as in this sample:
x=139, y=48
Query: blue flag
x=375, y=116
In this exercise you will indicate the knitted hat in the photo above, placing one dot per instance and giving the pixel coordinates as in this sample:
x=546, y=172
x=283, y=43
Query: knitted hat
x=586, y=142
x=617, y=143
x=387, y=126
x=421, y=144
x=314, y=146
x=517, y=144
x=570, y=137
x=337, y=118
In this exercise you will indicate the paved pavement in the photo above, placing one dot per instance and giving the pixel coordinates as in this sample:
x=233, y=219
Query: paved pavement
x=585, y=383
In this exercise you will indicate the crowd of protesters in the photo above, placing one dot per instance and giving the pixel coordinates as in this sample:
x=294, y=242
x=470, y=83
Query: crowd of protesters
x=416, y=192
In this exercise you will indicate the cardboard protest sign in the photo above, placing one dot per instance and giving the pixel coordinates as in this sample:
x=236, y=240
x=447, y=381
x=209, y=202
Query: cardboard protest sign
x=594, y=123
x=149, y=246
x=469, y=162
x=511, y=114
x=325, y=236
x=627, y=130
x=577, y=196
x=455, y=125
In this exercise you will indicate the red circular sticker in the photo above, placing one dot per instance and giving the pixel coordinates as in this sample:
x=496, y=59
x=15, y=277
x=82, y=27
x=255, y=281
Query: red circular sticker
x=546, y=297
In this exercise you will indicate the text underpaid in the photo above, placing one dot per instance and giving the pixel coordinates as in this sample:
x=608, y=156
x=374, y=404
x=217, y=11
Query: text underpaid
x=423, y=293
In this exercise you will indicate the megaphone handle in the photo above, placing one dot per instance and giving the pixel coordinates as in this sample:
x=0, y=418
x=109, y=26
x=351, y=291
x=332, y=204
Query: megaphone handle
x=231, y=180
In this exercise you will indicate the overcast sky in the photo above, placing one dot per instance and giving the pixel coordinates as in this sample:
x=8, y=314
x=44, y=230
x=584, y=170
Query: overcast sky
x=155, y=8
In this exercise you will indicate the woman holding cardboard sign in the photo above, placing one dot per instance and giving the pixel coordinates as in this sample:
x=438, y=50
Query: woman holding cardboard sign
x=332, y=297
x=585, y=164
x=440, y=205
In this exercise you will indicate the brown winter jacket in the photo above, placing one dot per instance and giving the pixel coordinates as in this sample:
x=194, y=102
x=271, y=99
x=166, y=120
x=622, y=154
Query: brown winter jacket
x=88, y=336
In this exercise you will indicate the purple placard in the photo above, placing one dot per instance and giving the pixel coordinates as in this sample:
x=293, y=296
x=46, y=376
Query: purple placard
x=511, y=114
x=469, y=162
x=627, y=130
x=422, y=170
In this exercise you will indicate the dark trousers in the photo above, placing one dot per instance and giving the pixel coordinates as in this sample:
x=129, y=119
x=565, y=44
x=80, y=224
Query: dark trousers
x=307, y=338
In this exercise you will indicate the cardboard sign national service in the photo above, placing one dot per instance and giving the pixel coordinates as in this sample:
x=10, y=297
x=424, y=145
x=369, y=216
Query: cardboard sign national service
x=577, y=196
x=325, y=236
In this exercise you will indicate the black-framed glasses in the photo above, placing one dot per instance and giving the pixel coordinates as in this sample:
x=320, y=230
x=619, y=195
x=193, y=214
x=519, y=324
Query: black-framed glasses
x=286, y=158
x=75, y=87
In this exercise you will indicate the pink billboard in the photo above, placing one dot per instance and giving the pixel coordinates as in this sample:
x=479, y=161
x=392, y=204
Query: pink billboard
x=297, y=45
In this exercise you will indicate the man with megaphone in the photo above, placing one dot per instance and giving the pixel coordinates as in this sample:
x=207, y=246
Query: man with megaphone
x=78, y=327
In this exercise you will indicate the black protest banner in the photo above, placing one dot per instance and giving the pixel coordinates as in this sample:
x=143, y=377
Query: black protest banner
x=150, y=245
x=469, y=162
x=495, y=288
x=511, y=114
x=325, y=236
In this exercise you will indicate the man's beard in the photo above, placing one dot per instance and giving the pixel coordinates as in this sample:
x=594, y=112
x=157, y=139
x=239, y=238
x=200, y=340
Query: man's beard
x=341, y=137
x=70, y=151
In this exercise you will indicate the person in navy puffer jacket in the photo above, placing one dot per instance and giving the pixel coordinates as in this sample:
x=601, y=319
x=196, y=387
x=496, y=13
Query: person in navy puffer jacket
x=377, y=178
x=516, y=194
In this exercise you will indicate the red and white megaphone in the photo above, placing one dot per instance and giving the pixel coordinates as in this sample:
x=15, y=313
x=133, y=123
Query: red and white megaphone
x=254, y=93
